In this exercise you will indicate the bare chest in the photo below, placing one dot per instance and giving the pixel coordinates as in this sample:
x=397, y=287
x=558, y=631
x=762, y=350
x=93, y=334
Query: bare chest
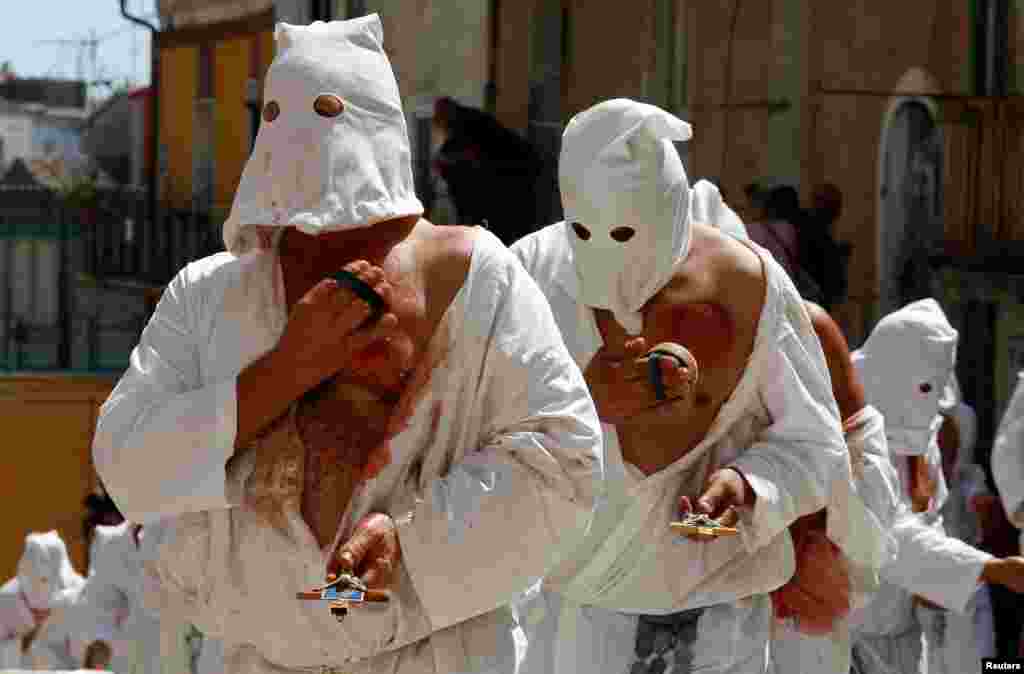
x=721, y=338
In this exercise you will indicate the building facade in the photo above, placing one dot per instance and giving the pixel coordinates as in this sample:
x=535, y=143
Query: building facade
x=212, y=58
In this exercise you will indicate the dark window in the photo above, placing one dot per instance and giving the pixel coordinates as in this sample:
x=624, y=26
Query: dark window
x=355, y=8
x=321, y=10
x=205, y=85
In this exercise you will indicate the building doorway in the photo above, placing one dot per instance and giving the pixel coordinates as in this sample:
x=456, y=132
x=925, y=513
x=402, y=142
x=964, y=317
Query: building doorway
x=910, y=209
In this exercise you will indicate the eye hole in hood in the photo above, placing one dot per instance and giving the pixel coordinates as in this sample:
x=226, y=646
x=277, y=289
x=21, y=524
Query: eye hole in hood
x=271, y=111
x=328, y=105
x=622, y=234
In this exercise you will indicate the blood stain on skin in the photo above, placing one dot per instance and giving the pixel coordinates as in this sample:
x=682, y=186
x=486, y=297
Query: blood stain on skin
x=705, y=329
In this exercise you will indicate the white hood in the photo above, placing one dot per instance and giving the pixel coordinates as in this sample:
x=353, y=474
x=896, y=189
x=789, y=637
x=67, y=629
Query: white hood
x=619, y=169
x=326, y=173
x=45, y=574
x=708, y=207
x=906, y=365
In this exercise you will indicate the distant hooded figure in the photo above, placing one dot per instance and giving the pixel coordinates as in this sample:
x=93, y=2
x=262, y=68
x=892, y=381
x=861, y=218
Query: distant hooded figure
x=35, y=607
x=110, y=610
x=906, y=365
x=491, y=171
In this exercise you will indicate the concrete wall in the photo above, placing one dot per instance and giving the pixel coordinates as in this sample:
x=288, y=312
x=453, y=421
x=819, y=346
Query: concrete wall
x=16, y=131
x=436, y=48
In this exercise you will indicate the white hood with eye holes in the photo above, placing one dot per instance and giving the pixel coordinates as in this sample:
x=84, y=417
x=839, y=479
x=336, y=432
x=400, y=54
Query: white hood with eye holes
x=317, y=165
x=626, y=199
x=45, y=574
x=906, y=365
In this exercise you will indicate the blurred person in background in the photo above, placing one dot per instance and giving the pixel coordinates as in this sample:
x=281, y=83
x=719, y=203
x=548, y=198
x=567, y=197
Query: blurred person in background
x=36, y=608
x=775, y=228
x=821, y=257
x=491, y=171
x=111, y=611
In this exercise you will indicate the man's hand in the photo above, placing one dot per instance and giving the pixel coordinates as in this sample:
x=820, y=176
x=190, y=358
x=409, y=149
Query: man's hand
x=372, y=553
x=724, y=491
x=818, y=594
x=1008, y=572
x=326, y=330
x=619, y=384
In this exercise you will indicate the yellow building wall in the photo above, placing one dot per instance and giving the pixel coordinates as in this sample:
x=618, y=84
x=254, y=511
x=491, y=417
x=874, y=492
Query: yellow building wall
x=178, y=85
x=179, y=73
x=231, y=135
x=267, y=51
x=51, y=463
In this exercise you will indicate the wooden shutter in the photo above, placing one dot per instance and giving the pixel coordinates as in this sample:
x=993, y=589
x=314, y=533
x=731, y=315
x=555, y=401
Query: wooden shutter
x=962, y=130
x=1010, y=161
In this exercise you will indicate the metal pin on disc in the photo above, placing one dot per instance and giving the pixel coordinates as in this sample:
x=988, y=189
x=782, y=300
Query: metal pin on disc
x=654, y=376
x=363, y=291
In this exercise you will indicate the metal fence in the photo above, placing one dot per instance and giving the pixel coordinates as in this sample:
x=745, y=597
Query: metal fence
x=76, y=278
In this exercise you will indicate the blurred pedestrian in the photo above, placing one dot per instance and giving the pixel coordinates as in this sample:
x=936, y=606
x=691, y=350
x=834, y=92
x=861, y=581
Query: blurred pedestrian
x=490, y=171
x=111, y=610
x=35, y=605
x=821, y=257
x=775, y=228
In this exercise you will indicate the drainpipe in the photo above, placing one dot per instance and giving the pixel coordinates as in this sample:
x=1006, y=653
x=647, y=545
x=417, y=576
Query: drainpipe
x=991, y=52
x=491, y=88
x=154, y=113
x=997, y=24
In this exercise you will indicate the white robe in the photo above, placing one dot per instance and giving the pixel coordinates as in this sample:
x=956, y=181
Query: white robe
x=888, y=632
x=961, y=640
x=878, y=484
x=1008, y=458
x=112, y=610
x=54, y=645
x=780, y=427
x=45, y=580
x=499, y=467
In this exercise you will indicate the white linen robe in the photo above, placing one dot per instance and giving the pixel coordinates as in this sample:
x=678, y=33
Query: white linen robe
x=877, y=482
x=780, y=427
x=54, y=645
x=111, y=608
x=960, y=641
x=498, y=468
x=888, y=632
x=1008, y=458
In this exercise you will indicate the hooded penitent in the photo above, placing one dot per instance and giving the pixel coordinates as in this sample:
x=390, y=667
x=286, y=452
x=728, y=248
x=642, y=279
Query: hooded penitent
x=626, y=200
x=332, y=151
x=708, y=207
x=45, y=574
x=906, y=365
